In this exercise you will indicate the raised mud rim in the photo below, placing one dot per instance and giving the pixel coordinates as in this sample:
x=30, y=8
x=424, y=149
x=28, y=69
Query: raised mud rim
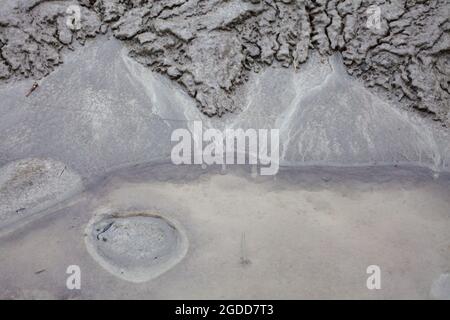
x=143, y=273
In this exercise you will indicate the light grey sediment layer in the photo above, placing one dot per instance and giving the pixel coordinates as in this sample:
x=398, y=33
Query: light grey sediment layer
x=441, y=287
x=210, y=48
x=93, y=113
x=326, y=117
x=29, y=186
x=137, y=246
x=102, y=110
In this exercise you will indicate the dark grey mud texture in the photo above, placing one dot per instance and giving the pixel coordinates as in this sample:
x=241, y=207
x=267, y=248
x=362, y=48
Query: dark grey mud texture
x=211, y=47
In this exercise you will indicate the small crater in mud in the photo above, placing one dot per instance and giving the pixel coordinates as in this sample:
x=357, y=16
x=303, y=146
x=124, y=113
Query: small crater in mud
x=136, y=247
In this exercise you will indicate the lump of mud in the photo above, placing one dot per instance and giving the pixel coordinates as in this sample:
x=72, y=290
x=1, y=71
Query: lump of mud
x=33, y=33
x=32, y=185
x=136, y=247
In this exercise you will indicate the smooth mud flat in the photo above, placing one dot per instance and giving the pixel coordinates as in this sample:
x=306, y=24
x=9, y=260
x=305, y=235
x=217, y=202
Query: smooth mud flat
x=305, y=233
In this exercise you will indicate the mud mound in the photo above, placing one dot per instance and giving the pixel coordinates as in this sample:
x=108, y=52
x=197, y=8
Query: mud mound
x=136, y=246
x=31, y=185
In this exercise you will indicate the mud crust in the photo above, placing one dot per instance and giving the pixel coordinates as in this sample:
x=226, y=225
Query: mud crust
x=210, y=47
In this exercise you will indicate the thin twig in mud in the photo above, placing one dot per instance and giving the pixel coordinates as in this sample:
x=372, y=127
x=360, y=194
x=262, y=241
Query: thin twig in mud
x=244, y=260
x=63, y=171
x=34, y=87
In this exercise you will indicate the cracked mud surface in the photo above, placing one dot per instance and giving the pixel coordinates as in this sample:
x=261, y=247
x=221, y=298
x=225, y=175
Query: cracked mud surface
x=211, y=47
